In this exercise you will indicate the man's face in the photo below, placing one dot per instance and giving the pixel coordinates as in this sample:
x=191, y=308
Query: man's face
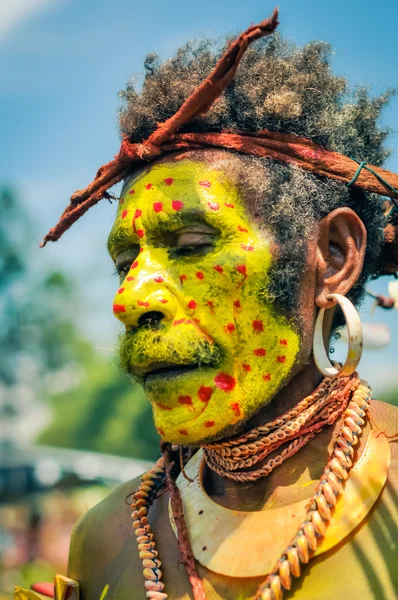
x=200, y=335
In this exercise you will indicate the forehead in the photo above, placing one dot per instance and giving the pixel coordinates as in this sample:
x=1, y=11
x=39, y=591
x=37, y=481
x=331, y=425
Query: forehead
x=187, y=177
x=188, y=165
x=174, y=193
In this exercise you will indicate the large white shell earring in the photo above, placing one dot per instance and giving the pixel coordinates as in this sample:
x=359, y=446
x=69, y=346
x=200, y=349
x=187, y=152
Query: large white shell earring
x=355, y=341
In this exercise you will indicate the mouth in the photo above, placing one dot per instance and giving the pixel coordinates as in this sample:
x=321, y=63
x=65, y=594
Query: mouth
x=163, y=370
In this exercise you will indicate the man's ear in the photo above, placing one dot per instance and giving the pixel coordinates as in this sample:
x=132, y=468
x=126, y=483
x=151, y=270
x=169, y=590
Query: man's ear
x=340, y=254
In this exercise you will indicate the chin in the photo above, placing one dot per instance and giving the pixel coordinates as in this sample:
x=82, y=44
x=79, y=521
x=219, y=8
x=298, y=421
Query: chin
x=193, y=422
x=195, y=436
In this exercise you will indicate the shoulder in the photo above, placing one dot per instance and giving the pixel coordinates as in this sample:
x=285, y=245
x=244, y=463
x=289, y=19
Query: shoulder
x=384, y=416
x=100, y=533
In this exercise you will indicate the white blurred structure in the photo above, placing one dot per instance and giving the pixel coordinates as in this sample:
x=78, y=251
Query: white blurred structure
x=375, y=335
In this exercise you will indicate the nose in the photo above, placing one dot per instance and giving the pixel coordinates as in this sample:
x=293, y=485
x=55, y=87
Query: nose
x=146, y=297
x=144, y=306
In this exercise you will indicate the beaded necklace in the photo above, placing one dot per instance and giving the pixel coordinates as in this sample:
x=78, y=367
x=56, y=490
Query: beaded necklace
x=346, y=396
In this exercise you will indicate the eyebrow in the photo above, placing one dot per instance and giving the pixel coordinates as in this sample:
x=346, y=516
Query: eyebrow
x=121, y=238
x=118, y=240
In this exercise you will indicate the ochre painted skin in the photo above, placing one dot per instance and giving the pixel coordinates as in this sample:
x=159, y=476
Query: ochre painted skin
x=186, y=248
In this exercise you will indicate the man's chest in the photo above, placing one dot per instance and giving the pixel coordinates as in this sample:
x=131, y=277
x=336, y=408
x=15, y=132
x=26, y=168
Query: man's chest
x=364, y=566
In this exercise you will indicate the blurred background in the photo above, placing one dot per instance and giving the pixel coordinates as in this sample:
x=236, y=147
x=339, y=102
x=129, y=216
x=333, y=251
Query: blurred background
x=72, y=427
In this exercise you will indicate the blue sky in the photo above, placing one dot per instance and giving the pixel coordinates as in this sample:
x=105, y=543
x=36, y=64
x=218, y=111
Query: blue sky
x=61, y=66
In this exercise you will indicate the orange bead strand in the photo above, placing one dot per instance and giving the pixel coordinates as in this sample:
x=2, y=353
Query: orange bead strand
x=349, y=397
x=313, y=529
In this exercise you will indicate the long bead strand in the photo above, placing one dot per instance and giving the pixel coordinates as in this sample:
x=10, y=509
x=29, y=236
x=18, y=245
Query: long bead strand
x=151, y=484
x=313, y=529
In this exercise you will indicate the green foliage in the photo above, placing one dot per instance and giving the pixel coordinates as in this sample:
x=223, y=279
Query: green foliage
x=94, y=406
x=34, y=323
x=391, y=396
x=103, y=413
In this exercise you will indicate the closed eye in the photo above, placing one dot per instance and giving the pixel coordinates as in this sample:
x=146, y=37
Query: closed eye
x=197, y=250
x=125, y=259
x=192, y=243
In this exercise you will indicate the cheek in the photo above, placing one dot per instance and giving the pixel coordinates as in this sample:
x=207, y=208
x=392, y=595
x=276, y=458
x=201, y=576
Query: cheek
x=267, y=352
x=212, y=294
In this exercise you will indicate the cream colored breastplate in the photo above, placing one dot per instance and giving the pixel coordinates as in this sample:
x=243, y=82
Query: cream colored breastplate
x=247, y=544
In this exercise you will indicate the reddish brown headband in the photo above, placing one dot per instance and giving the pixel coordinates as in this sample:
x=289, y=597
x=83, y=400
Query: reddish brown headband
x=282, y=147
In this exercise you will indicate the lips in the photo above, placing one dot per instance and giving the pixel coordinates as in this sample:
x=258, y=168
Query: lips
x=163, y=370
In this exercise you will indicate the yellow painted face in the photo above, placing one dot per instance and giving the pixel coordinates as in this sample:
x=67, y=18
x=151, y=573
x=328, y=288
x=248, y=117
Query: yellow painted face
x=209, y=349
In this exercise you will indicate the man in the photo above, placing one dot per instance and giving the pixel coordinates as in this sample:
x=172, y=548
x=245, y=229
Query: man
x=225, y=259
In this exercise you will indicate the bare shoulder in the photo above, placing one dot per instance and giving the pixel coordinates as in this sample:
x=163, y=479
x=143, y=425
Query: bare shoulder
x=385, y=418
x=99, y=536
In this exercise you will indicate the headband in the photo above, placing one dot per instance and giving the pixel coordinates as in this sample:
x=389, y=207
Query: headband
x=282, y=147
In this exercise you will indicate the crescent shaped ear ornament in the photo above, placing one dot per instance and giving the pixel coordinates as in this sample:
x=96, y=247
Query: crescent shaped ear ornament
x=355, y=340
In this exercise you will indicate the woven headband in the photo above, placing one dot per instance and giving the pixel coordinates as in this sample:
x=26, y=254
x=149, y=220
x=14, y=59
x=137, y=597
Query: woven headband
x=283, y=147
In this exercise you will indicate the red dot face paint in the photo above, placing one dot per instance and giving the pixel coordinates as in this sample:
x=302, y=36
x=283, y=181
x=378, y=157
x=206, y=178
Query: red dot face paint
x=119, y=308
x=225, y=382
x=177, y=205
x=259, y=352
x=236, y=409
x=205, y=393
x=143, y=303
x=210, y=297
x=178, y=322
x=242, y=269
x=185, y=400
x=258, y=326
x=124, y=214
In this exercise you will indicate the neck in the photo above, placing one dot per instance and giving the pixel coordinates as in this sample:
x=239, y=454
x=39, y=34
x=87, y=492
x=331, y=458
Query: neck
x=293, y=480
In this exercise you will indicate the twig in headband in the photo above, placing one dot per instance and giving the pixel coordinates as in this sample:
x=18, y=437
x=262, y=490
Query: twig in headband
x=198, y=102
